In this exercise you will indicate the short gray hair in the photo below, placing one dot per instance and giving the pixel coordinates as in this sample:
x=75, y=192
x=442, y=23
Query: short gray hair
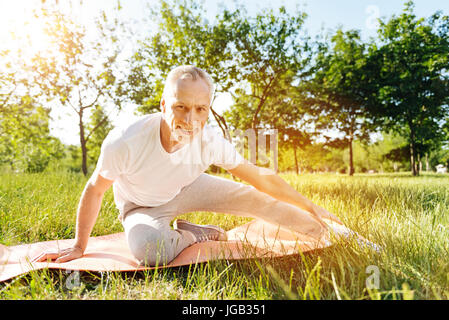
x=189, y=72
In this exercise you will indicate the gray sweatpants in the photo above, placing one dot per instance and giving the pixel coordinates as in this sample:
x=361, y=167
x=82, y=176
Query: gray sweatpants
x=153, y=241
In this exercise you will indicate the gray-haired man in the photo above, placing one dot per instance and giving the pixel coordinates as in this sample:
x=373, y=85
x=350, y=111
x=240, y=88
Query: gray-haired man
x=156, y=166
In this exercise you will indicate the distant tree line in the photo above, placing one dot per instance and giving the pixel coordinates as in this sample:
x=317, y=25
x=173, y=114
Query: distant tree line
x=396, y=84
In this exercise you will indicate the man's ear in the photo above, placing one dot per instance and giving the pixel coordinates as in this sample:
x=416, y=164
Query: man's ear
x=163, y=105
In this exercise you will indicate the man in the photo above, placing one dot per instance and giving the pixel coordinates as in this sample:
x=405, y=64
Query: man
x=156, y=166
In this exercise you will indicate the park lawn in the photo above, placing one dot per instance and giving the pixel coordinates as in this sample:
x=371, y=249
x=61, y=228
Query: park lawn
x=407, y=216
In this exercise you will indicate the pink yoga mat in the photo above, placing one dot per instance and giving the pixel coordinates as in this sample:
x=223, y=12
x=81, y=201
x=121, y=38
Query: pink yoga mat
x=255, y=239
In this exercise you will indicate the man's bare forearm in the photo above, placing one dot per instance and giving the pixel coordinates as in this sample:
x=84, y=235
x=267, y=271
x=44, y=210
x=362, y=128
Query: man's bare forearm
x=88, y=209
x=278, y=188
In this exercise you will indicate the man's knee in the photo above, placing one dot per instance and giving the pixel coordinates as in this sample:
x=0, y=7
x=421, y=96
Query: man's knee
x=148, y=245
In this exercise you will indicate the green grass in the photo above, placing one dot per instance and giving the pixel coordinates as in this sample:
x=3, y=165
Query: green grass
x=407, y=216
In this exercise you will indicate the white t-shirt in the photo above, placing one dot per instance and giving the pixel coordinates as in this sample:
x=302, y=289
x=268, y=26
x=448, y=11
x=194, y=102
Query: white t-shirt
x=146, y=174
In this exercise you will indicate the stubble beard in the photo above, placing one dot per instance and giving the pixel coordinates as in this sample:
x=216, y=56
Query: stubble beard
x=179, y=135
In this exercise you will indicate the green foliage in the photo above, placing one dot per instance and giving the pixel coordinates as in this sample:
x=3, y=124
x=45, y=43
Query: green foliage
x=337, y=84
x=310, y=158
x=440, y=156
x=25, y=141
x=271, y=53
x=77, y=72
x=278, y=78
x=410, y=66
x=69, y=162
x=337, y=91
x=99, y=126
x=389, y=154
x=264, y=53
x=183, y=37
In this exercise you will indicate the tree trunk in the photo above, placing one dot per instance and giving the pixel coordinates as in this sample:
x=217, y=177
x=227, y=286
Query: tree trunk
x=274, y=149
x=255, y=120
x=351, y=159
x=418, y=165
x=412, y=149
x=83, y=144
x=296, y=160
x=412, y=159
x=427, y=162
x=351, y=139
x=222, y=124
x=256, y=145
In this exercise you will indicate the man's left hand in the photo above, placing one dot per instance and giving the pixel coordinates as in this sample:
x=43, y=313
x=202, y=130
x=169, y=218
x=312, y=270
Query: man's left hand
x=324, y=214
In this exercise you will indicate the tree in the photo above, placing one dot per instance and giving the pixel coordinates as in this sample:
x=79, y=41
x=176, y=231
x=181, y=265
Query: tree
x=183, y=37
x=440, y=156
x=272, y=54
x=286, y=113
x=291, y=137
x=100, y=126
x=79, y=73
x=337, y=91
x=25, y=141
x=410, y=67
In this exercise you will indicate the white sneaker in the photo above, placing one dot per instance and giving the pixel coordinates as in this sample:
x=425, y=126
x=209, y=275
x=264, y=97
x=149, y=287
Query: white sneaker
x=348, y=234
x=368, y=244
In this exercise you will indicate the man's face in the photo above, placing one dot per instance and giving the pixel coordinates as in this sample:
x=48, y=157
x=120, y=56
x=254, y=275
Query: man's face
x=186, y=108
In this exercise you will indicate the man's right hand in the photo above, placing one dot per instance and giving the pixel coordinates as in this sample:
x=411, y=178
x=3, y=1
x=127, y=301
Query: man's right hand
x=63, y=255
x=88, y=209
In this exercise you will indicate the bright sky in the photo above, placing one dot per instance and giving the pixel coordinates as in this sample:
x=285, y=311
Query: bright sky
x=322, y=14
